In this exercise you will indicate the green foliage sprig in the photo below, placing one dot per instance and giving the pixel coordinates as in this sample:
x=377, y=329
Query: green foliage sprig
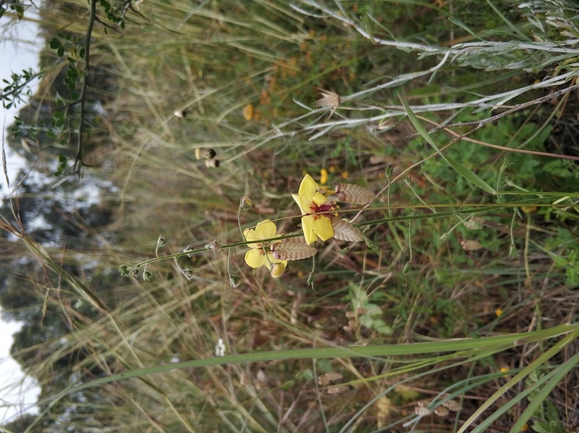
x=18, y=86
x=15, y=6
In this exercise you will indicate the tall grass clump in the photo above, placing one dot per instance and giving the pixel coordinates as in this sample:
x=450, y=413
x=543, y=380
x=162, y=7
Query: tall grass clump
x=448, y=303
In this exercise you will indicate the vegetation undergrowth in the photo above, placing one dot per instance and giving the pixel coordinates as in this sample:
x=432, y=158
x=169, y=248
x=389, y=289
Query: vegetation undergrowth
x=428, y=145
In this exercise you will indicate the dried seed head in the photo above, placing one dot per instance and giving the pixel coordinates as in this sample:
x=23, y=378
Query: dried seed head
x=327, y=378
x=422, y=411
x=384, y=408
x=348, y=193
x=469, y=245
x=329, y=100
x=441, y=411
x=204, y=153
x=474, y=223
x=336, y=389
x=452, y=405
x=344, y=231
x=214, y=246
x=292, y=249
x=212, y=163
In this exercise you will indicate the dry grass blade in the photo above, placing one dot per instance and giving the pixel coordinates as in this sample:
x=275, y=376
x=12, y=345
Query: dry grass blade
x=348, y=193
x=344, y=231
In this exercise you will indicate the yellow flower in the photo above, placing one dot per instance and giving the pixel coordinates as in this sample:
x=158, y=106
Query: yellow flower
x=259, y=253
x=312, y=203
x=323, y=176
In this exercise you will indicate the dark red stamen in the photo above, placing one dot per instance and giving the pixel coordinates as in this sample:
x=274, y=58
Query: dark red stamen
x=325, y=207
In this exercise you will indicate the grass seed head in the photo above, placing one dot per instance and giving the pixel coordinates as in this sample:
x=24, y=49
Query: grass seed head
x=452, y=405
x=329, y=100
x=384, y=409
x=212, y=163
x=422, y=411
x=348, y=193
x=205, y=153
x=441, y=411
x=292, y=249
x=344, y=231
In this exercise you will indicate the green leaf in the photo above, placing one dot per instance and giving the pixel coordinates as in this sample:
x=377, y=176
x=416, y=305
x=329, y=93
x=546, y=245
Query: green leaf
x=55, y=43
x=457, y=166
x=462, y=25
x=59, y=100
x=470, y=176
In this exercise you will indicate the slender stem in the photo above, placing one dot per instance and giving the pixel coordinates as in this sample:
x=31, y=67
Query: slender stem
x=82, y=99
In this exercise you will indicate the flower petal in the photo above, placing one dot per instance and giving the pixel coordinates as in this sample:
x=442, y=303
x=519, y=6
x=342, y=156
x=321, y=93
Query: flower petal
x=265, y=230
x=271, y=260
x=323, y=228
x=298, y=200
x=255, y=258
x=250, y=236
x=308, y=228
x=308, y=187
x=319, y=199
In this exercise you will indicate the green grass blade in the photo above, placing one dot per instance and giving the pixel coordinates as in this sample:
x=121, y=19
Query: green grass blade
x=516, y=379
x=558, y=374
x=340, y=352
x=457, y=166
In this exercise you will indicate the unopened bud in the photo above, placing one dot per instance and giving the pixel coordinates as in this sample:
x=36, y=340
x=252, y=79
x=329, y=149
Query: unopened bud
x=245, y=203
x=277, y=270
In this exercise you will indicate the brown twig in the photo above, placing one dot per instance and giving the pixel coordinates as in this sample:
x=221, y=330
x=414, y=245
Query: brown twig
x=78, y=163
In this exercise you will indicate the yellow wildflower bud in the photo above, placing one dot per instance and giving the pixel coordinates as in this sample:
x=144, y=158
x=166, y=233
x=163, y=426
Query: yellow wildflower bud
x=277, y=269
x=323, y=176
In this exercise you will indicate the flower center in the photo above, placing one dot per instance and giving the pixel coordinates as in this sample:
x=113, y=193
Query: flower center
x=324, y=207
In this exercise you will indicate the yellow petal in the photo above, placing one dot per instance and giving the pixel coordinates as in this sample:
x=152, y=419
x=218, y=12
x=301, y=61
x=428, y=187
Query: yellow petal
x=308, y=228
x=319, y=199
x=308, y=187
x=255, y=258
x=250, y=236
x=297, y=199
x=265, y=230
x=323, y=228
x=271, y=260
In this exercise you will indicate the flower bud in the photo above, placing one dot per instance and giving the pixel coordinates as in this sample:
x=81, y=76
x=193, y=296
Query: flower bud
x=277, y=269
x=245, y=203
